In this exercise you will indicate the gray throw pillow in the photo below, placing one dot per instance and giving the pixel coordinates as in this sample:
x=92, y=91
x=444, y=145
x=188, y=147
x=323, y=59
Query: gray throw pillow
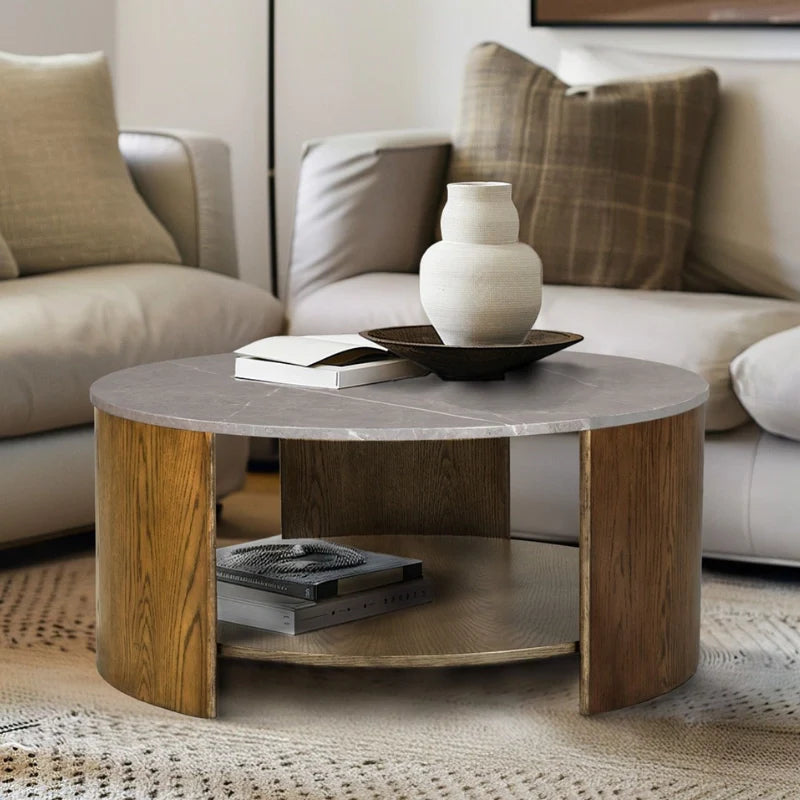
x=66, y=198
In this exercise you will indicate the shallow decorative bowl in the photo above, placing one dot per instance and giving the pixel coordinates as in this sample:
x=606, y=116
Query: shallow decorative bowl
x=422, y=345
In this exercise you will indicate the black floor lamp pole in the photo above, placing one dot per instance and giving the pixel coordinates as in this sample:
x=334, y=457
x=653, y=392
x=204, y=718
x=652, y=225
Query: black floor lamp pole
x=273, y=226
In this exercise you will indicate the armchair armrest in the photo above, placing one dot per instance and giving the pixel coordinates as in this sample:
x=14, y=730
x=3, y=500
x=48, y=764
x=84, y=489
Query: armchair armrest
x=365, y=203
x=185, y=179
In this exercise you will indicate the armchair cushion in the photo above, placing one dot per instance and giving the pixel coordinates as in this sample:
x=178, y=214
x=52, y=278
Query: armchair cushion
x=603, y=177
x=66, y=198
x=62, y=331
x=766, y=379
x=365, y=202
x=8, y=264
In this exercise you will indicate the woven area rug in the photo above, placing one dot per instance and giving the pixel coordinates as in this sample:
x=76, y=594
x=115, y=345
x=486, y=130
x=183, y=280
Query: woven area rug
x=733, y=731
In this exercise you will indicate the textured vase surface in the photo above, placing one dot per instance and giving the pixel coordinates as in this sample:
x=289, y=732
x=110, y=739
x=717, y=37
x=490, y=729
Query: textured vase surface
x=480, y=285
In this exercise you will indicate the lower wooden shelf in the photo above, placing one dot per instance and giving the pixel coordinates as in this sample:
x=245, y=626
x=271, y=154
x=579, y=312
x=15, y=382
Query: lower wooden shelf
x=495, y=601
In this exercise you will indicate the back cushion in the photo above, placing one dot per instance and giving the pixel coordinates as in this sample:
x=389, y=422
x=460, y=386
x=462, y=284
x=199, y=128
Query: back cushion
x=603, y=177
x=746, y=232
x=66, y=198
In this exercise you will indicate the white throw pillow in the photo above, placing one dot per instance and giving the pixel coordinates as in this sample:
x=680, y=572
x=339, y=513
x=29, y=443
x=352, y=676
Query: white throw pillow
x=747, y=236
x=766, y=379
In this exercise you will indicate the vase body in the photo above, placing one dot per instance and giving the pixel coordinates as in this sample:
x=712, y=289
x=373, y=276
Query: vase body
x=479, y=285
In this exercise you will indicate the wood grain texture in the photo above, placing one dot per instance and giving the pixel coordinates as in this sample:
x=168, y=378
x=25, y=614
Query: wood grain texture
x=495, y=601
x=641, y=517
x=156, y=592
x=458, y=488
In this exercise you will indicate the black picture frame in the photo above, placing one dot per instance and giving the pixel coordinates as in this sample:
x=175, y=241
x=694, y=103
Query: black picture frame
x=536, y=23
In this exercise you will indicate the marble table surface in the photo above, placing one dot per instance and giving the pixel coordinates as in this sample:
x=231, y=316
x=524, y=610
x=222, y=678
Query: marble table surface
x=563, y=393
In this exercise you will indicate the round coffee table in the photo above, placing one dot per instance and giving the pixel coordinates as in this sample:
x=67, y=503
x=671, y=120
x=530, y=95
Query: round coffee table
x=409, y=467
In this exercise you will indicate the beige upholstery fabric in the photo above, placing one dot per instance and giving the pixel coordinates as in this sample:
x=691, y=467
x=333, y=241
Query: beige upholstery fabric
x=365, y=202
x=700, y=332
x=60, y=332
x=603, y=177
x=47, y=480
x=766, y=379
x=8, y=264
x=374, y=300
x=185, y=178
x=66, y=198
x=750, y=500
x=747, y=237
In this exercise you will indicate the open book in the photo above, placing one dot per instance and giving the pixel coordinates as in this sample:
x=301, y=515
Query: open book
x=334, y=361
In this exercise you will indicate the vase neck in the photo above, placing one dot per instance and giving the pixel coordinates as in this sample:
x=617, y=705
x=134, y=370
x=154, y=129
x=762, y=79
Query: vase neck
x=479, y=212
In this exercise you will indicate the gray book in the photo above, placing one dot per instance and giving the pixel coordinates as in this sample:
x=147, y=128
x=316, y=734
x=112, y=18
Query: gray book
x=270, y=611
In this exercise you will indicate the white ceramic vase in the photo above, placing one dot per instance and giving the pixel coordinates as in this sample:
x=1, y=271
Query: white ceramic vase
x=480, y=285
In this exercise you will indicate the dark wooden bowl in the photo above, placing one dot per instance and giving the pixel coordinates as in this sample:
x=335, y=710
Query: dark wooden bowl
x=421, y=344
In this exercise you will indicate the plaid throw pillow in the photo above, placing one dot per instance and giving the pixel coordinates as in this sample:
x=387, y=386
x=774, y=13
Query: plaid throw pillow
x=8, y=264
x=603, y=177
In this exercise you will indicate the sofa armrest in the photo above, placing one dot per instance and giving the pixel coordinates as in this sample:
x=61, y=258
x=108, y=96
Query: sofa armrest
x=365, y=203
x=185, y=179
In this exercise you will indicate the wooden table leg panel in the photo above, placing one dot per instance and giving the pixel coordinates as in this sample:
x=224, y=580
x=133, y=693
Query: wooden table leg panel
x=156, y=599
x=640, y=539
x=455, y=487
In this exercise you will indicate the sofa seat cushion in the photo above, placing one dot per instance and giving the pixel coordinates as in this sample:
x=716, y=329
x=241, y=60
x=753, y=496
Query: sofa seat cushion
x=374, y=300
x=766, y=379
x=699, y=332
x=61, y=331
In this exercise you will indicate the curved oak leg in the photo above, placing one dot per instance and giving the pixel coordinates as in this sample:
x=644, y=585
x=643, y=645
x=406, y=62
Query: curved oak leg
x=156, y=598
x=641, y=515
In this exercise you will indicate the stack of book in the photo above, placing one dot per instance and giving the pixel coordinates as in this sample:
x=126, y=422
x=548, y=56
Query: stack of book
x=335, y=361
x=295, y=592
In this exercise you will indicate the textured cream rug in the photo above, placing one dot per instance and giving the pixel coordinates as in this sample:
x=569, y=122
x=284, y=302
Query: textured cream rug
x=732, y=732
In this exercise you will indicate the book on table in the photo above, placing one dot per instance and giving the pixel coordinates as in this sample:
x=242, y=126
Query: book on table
x=312, y=569
x=256, y=608
x=335, y=361
x=299, y=585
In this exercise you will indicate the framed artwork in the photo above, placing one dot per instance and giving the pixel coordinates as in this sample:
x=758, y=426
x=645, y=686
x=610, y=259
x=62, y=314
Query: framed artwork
x=760, y=13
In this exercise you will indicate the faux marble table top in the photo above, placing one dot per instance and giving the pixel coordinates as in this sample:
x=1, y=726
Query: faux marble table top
x=566, y=392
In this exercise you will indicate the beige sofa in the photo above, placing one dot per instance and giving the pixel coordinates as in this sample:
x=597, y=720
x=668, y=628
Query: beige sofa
x=365, y=213
x=61, y=330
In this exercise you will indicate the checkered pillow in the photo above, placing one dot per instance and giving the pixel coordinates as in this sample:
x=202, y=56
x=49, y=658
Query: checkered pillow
x=603, y=177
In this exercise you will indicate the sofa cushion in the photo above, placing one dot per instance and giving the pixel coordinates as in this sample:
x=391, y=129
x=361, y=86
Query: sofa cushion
x=374, y=300
x=700, y=332
x=603, y=177
x=746, y=237
x=8, y=264
x=365, y=202
x=60, y=332
x=66, y=198
x=766, y=379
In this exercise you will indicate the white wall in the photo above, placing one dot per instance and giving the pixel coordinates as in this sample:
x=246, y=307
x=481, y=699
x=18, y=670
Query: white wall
x=349, y=65
x=201, y=64
x=46, y=27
